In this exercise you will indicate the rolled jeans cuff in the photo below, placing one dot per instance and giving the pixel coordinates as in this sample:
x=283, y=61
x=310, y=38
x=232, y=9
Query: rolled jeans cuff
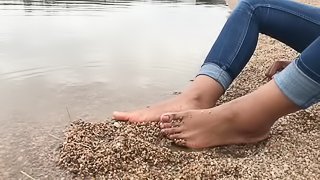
x=297, y=86
x=215, y=72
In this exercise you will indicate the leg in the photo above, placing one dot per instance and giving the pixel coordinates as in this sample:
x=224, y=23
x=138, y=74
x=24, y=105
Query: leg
x=202, y=93
x=245, y=120
x=292, y=23
x=232, y=51
x=249, y=118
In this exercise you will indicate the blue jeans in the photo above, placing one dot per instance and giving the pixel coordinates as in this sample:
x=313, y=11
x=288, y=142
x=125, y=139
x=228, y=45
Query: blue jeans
x=292, y=23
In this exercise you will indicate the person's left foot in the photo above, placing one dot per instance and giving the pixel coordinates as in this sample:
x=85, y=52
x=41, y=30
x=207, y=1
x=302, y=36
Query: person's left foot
x=202, y=93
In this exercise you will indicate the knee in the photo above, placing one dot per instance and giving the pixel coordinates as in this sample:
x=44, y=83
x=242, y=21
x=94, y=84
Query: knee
x=252, y=3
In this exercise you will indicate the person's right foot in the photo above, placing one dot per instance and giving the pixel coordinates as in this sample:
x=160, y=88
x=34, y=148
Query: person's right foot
x=153, y=112
x=203, y=93
x=247, y=119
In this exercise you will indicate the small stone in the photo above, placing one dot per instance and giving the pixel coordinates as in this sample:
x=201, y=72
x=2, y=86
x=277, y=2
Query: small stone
x=176, y=92
x=117, y=124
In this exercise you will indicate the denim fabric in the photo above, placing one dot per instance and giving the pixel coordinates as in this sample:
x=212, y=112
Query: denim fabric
x=309, y=60
x=290, y=22
x=297, y=86
x=213, y=70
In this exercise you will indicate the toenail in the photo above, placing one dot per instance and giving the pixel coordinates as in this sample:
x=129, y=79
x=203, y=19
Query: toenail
x=165, y=117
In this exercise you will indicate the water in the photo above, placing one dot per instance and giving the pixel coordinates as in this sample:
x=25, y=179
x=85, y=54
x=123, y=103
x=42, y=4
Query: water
x=90, y=57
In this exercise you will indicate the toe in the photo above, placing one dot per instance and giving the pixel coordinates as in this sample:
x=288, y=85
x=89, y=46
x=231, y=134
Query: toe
x=191, y=145
x=168, y=117
x=176, y=136
x=121, y=116
x=180, y=142
x=165, y=125
x=187, y=144
x=165, y=118
x=170, y=131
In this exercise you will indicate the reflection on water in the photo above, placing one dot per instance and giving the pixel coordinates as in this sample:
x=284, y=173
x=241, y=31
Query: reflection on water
x=92, y=57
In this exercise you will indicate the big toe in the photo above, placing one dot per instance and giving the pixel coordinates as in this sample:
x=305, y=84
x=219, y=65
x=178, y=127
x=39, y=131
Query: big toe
x=169, y=117
x=165, y=118
x=121, y=116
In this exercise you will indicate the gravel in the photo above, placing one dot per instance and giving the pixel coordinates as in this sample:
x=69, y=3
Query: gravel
x=121, y=150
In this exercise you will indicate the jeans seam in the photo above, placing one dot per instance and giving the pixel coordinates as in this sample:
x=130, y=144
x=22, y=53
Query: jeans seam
x=304, y=74
x=305, y=66
x=284, y=85
x=219, y=76
x=252, y=7
x=243, y=35
x=220, y=73
x=300, y=15
x=286, y=10
x=311, y=100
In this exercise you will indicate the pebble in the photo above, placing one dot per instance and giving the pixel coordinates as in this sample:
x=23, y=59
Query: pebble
x=116, y=124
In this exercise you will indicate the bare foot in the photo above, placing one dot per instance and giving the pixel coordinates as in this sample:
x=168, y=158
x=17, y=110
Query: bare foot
x=153, y=112
x=208, y=128
x=245, y=120
x=203, y=93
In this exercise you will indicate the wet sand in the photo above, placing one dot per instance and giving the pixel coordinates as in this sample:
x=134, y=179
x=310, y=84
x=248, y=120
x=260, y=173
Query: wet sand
x=115, y=150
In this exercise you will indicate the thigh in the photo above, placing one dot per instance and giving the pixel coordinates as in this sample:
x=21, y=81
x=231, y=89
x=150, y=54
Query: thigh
x=292, y=23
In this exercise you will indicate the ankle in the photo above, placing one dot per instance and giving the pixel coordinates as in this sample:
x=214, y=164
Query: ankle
x=243, y=122
x=199, y=100
x=204, y=91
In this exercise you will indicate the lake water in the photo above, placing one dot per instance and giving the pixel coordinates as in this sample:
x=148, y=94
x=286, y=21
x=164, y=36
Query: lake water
x=90, y=57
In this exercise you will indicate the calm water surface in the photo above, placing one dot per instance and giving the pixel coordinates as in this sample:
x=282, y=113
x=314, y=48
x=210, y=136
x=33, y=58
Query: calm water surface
x=92, y=57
